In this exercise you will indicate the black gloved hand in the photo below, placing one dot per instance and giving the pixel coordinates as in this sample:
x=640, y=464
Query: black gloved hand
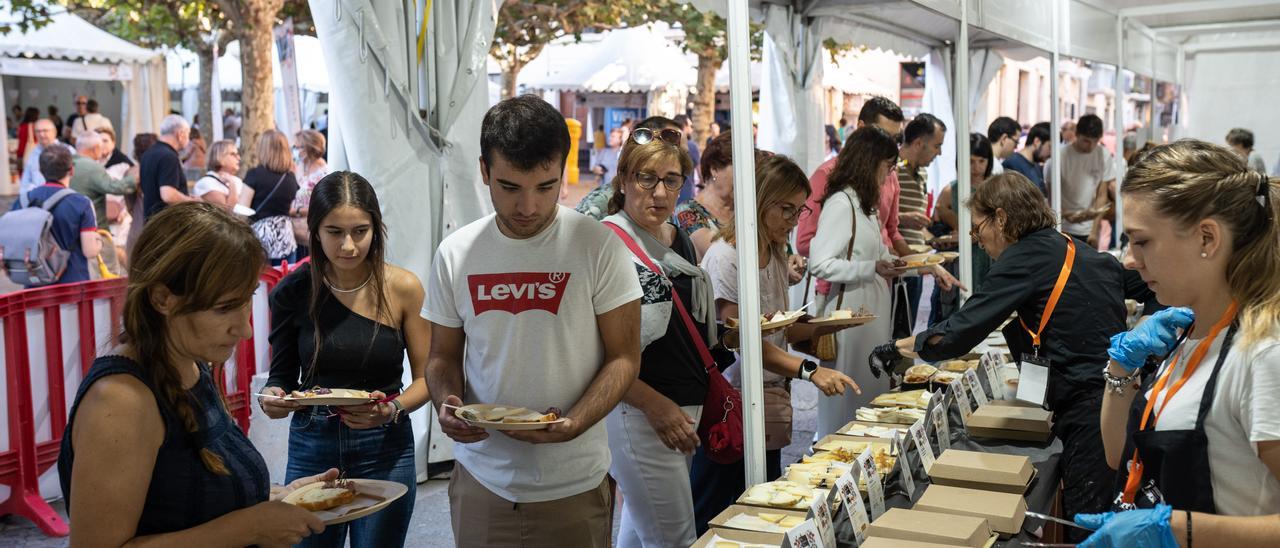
x=884, y=357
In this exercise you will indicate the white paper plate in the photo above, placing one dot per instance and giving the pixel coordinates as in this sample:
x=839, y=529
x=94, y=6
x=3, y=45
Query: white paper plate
x=339, y=396
x=242, y=210
x=374, y=496
x=482, y=407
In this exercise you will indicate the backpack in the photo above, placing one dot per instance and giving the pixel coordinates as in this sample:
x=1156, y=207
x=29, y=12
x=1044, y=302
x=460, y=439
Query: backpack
x=30, y=253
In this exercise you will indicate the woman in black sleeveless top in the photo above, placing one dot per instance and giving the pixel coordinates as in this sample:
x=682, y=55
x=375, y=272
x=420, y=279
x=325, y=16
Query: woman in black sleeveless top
x=150, y=451
x=346, y=320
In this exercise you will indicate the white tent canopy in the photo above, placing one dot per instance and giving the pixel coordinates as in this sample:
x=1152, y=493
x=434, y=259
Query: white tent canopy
x=70, y=56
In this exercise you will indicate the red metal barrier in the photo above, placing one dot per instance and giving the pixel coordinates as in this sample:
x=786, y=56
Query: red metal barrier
x=25, y=460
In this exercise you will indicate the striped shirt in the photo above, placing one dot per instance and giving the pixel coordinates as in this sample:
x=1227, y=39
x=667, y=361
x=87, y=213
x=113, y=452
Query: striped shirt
x=913, y=198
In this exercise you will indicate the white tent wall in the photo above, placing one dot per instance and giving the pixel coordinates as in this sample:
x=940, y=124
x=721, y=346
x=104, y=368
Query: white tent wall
x=1235, y=89
x=791, y=96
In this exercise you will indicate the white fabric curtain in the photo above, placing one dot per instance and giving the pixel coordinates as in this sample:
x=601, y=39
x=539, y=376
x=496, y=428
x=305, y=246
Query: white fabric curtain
x=937, y=101
x=791, y=95
x=146, y=101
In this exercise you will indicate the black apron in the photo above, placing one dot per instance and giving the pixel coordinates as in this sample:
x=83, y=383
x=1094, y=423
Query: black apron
x=1176, y=462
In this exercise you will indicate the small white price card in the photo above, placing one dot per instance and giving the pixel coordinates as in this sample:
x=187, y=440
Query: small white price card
x=820, y=513
x=805, y=535
x=922, y=443
x=979, y=395
x=875, y=489
x=962, y=400
x=990, y=366
x=904, y=466
x=851, y=503
x=941, y=426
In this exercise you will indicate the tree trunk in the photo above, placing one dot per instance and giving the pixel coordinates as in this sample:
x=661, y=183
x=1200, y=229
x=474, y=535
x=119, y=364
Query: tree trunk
x=257, y=95
x=509, y=77
x=205, y=110
x=704, y=97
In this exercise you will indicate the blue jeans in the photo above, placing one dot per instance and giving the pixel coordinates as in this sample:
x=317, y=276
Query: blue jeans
x=318, y=442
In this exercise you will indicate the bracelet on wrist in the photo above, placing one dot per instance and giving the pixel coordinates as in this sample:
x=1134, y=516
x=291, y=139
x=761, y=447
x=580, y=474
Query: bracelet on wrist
x=1118, y=385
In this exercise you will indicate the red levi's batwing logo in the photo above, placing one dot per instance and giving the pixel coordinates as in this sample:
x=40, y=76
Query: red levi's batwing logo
x=517, y=292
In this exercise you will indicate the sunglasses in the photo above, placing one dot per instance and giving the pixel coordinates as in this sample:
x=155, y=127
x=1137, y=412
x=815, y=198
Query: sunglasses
x=644, y=136
x=649, y=181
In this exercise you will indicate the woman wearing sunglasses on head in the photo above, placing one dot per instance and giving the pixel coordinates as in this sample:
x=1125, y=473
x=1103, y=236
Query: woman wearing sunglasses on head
x=596, y=203
x=1070, y=301
x=654, y=429
x=781, y=190
x=1196, y=440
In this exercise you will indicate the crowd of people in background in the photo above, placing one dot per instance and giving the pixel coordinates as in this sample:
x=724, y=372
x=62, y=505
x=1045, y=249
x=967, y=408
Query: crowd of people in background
x=618, y=316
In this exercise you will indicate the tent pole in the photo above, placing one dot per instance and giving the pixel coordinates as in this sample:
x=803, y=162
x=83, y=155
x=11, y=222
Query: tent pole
x=1151, y=105
x=751, y=352
x=962, y=117
x=1119, y=100
x=1055, y=106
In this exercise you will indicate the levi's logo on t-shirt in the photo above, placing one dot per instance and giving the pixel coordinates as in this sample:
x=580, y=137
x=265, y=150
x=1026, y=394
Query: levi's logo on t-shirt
x=517, y=292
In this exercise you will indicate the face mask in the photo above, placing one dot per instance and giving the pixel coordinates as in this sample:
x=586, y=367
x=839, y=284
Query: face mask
x=297, y=156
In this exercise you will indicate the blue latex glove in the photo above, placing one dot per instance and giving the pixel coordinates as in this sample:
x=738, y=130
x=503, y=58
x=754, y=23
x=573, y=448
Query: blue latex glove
x=1156, y=336
x=1131, y=529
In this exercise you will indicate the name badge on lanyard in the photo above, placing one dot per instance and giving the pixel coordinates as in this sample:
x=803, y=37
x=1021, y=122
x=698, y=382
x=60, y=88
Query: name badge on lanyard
x=1033, y=378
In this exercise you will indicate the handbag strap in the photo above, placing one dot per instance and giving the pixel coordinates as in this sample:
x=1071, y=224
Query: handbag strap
x=848, y=252
x=703, y=351
x=273, y=189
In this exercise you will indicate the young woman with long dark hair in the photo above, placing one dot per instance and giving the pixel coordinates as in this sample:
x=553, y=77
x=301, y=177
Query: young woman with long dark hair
x=347, y=320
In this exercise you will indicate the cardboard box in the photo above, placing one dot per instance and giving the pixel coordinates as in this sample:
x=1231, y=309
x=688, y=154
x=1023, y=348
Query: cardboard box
x=1010, y=422
x=985, y=471
x=1005, y=512
x=748, y=537
x=722, y=519
x=876, y=542
x=920, y=526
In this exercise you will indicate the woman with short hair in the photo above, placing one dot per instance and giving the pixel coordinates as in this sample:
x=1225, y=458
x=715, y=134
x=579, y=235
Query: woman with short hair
x=221, y=186
x=1069, y=299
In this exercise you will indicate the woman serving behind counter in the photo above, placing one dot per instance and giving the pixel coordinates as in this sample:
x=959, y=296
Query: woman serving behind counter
x=1204, y=428
x=1069, y=327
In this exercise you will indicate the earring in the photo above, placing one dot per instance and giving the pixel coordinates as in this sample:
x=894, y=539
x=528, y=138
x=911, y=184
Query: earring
x=1204, y=255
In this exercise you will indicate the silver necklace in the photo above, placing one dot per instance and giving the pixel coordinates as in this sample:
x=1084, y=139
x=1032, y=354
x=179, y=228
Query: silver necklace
x=357, y=288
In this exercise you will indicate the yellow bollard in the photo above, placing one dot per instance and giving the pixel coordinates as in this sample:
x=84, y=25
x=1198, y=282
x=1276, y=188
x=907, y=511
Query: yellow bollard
x=571, y=164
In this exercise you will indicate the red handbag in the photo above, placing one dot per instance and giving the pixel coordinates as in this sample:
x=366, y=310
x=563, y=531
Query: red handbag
x=721, y=426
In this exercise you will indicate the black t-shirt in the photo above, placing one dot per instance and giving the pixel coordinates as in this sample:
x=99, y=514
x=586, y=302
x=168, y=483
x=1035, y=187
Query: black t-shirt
x=355, y=351
x=160, y=167
x=671, y=365
x=266, y=202
x=1076, y=339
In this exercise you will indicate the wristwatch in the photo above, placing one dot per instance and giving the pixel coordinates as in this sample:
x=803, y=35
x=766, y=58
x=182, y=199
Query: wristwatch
x=807, y=369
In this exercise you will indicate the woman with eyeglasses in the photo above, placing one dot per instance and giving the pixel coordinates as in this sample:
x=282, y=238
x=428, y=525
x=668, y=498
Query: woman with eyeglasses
x=1201, y=429
x=781, y=190
x=1070, y=301
x=596, y=203
x=221, y=186
x=654, y=429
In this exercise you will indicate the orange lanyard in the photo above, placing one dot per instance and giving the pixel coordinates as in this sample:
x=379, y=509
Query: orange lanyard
x=1053, y=297
x=1193, y=363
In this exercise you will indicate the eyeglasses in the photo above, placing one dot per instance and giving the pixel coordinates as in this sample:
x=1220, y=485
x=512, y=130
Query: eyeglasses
x=791, y=213
x=82, y=102
x=644, y=136
x=975, y=230
x=649, y=181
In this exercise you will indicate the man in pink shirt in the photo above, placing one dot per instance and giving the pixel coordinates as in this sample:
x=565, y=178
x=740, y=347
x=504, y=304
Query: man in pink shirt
x=880, y=112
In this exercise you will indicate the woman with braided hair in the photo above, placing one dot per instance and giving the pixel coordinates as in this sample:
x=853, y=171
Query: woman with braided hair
x=150, y=451
x=1196, y=439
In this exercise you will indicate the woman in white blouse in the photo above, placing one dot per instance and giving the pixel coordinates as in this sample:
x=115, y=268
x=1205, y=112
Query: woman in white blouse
x=849, y=252
x=220, y=185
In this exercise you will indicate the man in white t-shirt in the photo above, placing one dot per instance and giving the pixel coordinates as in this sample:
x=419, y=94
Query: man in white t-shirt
x=538, y=307
x=1088, y=171
x=1003, y=133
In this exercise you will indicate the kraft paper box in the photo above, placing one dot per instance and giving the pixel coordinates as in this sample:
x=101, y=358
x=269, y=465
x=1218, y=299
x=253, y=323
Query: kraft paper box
x=1005, y=512
x=919, y=526
x=876, y=542
x=721, y=520
x=1010, y=422
x=745, y=537
x=985, y=471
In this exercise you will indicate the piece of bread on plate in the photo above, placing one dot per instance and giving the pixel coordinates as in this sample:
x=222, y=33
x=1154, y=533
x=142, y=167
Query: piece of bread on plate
x=326, y=498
